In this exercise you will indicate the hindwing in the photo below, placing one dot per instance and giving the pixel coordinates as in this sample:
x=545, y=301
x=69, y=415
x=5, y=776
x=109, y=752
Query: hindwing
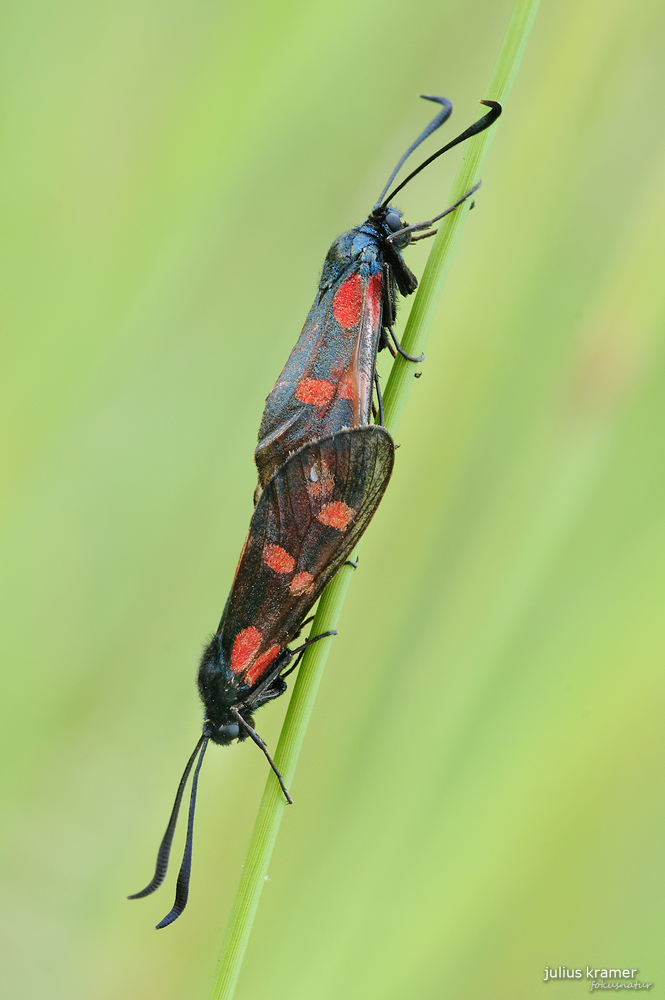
x=307, y=521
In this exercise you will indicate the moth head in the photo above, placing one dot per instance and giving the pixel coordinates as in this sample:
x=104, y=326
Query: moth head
x=391, y=221
x=223, y=734
x=224, y=731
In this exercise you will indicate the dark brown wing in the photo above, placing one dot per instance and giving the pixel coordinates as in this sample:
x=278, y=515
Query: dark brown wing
x=307, y=521
x=327, y=382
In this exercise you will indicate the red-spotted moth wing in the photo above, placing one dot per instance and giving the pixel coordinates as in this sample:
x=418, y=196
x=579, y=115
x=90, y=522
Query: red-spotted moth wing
x=307, y=521
x=327, y=382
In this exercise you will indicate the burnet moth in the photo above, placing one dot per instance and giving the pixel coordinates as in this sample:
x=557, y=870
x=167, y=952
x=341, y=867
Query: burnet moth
x=330, y=376
x=323, y=468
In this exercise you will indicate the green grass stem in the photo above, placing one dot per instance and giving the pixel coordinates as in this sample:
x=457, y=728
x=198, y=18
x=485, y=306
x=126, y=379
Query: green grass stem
x=330, y=606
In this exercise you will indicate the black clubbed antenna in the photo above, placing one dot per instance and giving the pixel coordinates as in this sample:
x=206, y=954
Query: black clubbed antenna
x=182, y=882
x=443, y=115
x=167, y=840
x=479, y=126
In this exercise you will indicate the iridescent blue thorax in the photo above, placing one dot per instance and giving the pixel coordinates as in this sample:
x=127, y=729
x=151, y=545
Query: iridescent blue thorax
x=367, y=245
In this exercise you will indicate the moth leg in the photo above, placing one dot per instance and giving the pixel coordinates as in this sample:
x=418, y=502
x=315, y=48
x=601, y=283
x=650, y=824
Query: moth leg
x=274, y=690
x=315, y=638
x=273, y=685
x=302, y=625
x=302, y=648
x=268, y=689
x=350, y=562
x=386, y=343
x=408, y=357
x=426, y=236
x=294, y=665
x=301, y=651
x=379, y=398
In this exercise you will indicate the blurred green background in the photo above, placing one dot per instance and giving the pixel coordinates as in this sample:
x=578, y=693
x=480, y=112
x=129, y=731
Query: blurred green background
x=481, y=790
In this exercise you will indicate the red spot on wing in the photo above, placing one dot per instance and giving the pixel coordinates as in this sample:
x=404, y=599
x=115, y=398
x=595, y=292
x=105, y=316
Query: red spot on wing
x=315, y=391
x=346, y=389
x=301, y=583
x=263, y=661
x=278, y=559
x=245, y=646
x=347, y=302
x=336, y=515
x=374, y=299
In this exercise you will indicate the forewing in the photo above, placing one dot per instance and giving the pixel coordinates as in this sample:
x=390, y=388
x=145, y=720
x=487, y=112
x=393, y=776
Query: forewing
x=326, y=384
x=307, y=521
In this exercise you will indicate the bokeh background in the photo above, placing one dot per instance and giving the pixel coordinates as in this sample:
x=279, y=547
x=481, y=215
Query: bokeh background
x=481, y=791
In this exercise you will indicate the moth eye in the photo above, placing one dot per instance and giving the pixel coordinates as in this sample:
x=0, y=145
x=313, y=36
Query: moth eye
x=393, y=221
x=313, y=476
x=230, y=731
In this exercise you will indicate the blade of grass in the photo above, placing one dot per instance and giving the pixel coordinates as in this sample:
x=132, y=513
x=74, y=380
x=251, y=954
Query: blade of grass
x=330, y=606
x=445, y=243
